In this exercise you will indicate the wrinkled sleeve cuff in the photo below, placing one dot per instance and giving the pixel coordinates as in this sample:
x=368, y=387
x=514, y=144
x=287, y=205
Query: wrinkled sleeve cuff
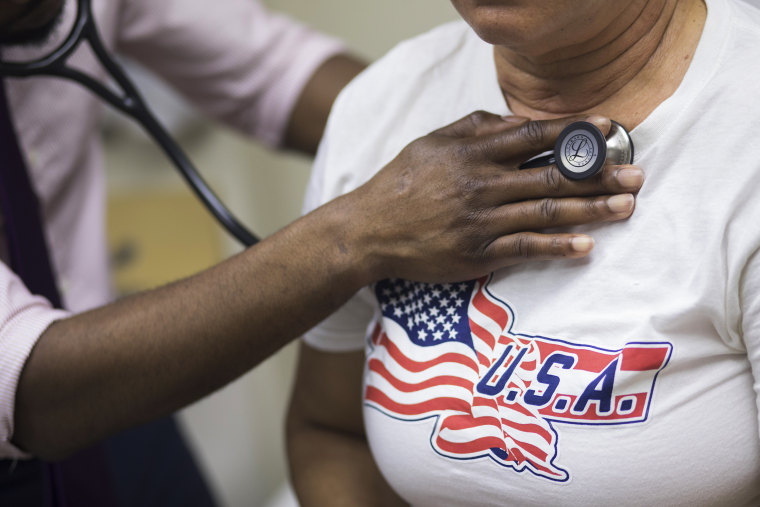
x=24, y=324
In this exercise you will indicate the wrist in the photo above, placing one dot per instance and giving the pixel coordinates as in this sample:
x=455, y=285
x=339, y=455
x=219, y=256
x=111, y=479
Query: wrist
x=349, y=247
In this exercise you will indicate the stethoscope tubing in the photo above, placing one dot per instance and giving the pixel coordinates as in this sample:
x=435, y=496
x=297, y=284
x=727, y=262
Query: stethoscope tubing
x=130, y=103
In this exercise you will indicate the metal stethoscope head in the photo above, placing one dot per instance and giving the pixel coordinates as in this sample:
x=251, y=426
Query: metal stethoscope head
x=582, y=150
x=129, y=102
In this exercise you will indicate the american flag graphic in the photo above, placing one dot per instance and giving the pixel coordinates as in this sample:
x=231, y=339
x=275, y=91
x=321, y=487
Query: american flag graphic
x=446, y=351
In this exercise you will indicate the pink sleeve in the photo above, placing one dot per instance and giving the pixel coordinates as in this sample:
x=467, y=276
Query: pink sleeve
x=23, y=318
x=233, y=59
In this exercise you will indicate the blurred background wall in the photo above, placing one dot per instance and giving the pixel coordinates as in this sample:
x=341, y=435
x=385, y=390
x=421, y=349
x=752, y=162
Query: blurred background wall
x=159, y=233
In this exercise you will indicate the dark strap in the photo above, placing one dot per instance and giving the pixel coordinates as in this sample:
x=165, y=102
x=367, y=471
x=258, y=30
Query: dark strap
x=21, y=210
x=84, y=478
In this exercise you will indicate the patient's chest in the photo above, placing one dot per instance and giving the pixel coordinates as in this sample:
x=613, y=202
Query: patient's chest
x=523, y=389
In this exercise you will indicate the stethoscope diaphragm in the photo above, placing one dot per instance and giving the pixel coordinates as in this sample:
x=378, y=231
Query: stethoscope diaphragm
x=582, y=150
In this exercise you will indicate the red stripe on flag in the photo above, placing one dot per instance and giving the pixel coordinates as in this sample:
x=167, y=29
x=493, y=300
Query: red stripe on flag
x=643, y=358
x=375, y=395
x=491, y=309
x=531, y=449
x=594, y=361
x=530, y=428
x=418, y=366
x=376, y=333
x=378, y=367
x=478, y=445
x=519, y=408
x=483, y=401
x=463, y=422
x=482, y=333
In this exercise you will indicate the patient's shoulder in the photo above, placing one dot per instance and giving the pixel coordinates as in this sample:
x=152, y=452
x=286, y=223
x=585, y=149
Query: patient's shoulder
x=414, y=65
x=438, y=46
x=414, y=89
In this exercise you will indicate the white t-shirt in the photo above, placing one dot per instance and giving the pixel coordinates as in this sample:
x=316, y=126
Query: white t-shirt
x=625, y=378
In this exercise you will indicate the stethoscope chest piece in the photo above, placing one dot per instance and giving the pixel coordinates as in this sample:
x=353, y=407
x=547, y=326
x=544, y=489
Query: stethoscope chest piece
x=581, y=149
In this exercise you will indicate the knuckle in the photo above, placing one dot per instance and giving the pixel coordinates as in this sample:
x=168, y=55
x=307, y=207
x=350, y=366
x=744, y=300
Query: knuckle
x=549, y=209
x=523, y=247
x=468, y=243
x=476, y=219
x=591, y=208
x=464, y=151
x=477, y=186
x=417, y=149
x=557, y=246
x=469, y=125
x=472, y=187
x=552, y=179
x=478, y=118
x=534, y=132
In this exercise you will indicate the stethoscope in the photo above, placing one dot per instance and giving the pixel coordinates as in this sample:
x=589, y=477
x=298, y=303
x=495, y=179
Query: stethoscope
x=130, y=103
x=582, y=150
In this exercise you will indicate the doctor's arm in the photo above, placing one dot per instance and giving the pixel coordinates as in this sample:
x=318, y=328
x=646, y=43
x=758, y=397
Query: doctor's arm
x=258, y=71
x=439, y=211
x=309, y=115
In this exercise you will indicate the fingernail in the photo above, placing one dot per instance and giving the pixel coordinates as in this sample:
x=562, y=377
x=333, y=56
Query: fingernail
x=631, y=177
x=582, y=243
x=622, y=203
x=514, y=120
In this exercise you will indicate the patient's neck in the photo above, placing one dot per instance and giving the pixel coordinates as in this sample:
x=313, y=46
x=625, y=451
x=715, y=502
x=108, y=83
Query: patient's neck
x=624, y=71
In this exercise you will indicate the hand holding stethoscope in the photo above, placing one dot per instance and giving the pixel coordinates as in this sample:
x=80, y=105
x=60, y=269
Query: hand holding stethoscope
x=580, y=151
